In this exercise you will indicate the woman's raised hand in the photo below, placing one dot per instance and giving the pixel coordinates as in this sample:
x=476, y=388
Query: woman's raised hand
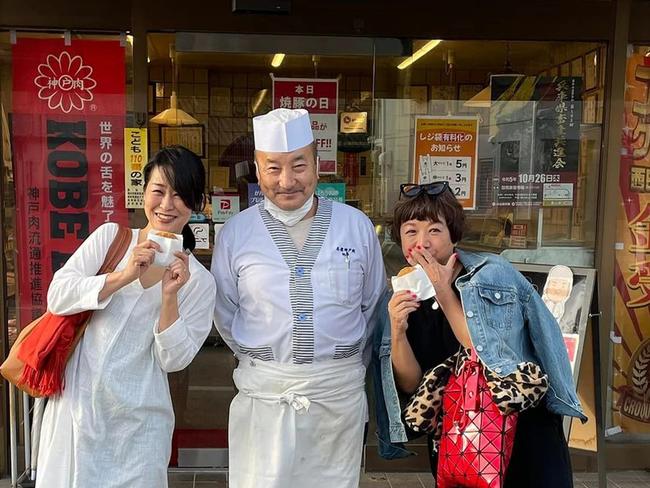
x=439, y=274
x=176, y=274
x=141, y=258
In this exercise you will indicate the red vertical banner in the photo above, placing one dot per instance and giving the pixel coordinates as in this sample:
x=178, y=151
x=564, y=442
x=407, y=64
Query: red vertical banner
x=69, y=108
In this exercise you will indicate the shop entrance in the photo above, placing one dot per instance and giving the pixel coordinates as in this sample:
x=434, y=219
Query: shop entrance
x=383, y=87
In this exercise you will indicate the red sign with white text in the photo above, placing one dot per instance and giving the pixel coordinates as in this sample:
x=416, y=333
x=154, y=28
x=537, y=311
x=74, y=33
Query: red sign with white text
x=68, y=122
x=320, y=98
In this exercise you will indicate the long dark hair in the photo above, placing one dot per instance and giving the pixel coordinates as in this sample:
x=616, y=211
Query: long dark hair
x=185, y=173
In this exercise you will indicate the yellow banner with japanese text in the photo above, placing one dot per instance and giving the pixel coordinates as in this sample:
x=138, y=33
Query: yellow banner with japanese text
x=135, y=158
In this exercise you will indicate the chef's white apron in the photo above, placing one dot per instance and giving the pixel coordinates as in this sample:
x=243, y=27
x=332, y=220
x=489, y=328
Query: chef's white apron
x=297, y=425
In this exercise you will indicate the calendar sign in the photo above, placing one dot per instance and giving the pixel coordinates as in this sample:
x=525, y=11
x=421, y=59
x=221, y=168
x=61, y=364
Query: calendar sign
x=445, y=150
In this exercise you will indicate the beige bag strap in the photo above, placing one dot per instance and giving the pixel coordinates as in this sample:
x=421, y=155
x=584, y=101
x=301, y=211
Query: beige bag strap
x=117, y=250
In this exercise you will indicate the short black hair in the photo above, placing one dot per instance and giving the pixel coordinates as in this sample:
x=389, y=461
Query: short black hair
x=185, y=173
x=431, y=208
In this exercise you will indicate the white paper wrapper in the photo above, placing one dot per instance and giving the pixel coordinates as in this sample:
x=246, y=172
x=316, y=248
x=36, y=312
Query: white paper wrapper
x=416, y=281
x=168, y=247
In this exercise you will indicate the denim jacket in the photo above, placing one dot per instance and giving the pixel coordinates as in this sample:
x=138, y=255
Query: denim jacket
x=508, y=324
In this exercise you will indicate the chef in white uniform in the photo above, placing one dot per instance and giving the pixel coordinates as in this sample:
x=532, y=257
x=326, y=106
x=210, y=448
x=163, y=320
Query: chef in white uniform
x=298, y=278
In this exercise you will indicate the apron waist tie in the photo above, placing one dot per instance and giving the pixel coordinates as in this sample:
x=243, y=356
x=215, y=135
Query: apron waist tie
x=299, y=403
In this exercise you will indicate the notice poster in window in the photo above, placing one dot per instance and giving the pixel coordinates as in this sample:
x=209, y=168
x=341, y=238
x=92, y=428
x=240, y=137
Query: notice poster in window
x=320, y=98
x=354, y=122
x=519, y=236
x=535, y=130
x=201, y=235
x=445, y=150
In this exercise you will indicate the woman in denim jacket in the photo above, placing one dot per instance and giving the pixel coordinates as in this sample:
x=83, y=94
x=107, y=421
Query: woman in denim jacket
x=486, y=303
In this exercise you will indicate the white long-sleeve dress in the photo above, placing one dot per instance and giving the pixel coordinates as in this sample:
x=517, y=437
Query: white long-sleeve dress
x=112, y=425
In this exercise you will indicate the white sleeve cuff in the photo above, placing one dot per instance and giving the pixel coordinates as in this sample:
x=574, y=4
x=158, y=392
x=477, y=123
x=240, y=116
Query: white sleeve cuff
x=172, y=336
x=90, y=298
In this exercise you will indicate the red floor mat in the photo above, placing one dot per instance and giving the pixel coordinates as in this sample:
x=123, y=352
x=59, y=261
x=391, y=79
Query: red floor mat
x=197, y=438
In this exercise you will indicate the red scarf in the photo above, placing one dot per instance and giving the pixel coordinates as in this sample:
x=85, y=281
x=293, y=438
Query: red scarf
x=46, y=350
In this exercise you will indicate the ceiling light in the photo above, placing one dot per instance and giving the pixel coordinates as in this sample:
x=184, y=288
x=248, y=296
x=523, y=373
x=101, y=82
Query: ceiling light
x=277, y=60
x=419, y=53
x=174, y=116
x=259, y=99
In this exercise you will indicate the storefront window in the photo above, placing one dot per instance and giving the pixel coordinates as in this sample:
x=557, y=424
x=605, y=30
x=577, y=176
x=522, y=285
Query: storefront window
x=515, y=127
x=531, y=179
x=529, y=185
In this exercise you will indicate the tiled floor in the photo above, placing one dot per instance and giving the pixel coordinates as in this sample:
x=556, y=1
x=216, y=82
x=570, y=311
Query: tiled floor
x=622, y=479
x=619, y=479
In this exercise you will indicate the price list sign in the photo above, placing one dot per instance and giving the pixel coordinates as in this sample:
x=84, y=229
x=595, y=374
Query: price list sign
x=446, y=149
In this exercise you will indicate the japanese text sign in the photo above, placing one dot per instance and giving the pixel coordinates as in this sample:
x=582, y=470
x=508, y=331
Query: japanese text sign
x=535, y=129
x=135, y=158
x=445, y=150
x=320, y=98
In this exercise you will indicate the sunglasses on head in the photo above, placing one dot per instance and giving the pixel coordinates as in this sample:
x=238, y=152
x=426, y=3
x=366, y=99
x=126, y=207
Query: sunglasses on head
x=412, y=190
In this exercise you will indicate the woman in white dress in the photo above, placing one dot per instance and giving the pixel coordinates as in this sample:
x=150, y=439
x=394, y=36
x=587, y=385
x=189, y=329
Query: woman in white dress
x=112, y=425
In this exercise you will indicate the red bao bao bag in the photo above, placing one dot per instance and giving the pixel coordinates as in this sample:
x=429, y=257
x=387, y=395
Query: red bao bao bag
x=36, y=361
x=477, y=439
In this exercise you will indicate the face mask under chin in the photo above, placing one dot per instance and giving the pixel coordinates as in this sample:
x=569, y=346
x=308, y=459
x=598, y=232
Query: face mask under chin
x=289, y=217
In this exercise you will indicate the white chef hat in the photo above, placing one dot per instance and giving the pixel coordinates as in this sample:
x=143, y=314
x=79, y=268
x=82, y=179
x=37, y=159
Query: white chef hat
x=282, y=130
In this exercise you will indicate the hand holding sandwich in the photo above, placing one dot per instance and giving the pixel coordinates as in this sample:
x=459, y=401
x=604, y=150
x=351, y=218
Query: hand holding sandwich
x=176, y=274
x=405, y=366
x=139, y=261
x=400, y=306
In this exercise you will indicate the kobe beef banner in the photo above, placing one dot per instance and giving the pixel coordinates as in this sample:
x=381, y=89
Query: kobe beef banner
x=631, y=348
x=320, y=98
x=68, y=129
